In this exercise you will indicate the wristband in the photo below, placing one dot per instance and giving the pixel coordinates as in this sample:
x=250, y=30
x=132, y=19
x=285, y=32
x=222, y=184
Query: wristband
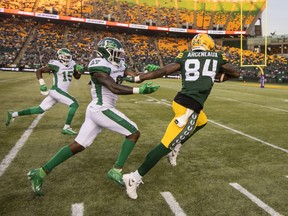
x=41, y=81
x=136, y=90
x=137, y=79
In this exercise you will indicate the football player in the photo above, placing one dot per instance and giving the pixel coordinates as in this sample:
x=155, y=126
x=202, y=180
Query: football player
x=62, y=69
x=101, y=113
x=198, y=69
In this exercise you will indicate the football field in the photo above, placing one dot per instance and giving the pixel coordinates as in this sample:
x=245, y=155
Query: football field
x=236, y=165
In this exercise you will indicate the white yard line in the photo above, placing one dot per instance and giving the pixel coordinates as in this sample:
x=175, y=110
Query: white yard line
x=254, y=199
x=173, y=204
x=267, y=107
x=251, y=137
x=77, y=209
x=233, y=130
x=13, y=152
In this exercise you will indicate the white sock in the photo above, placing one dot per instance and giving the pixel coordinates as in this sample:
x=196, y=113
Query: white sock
x=66, y=126
x=15, y=114
x=137, y=176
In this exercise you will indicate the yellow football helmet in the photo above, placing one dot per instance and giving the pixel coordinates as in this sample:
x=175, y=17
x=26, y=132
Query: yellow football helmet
x=202, y=42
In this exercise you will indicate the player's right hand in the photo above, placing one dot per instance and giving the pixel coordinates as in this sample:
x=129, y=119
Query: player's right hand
x=147, y=88
x=43, y=90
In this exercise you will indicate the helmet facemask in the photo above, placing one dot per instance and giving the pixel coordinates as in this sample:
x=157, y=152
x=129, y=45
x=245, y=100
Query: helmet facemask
x=112, y=50
x=64, y=56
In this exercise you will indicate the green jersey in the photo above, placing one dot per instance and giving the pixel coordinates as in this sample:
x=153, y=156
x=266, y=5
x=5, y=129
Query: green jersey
x=198, y=70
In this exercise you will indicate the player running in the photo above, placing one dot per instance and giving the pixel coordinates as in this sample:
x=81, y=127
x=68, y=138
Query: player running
x=105, y=71
x=198, y=69
x=62, y=69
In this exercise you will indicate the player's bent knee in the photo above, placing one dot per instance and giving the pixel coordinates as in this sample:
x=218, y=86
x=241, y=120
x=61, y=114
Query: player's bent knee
x=135, y=136
x=74, y=105
x=75, y=147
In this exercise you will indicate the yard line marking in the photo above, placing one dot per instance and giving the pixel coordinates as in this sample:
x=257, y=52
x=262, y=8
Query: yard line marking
x=273, y=108
x=13, y=152
x=251, y=137
x=173, y=204
x=77, y=209
x=254, y=199
x=235, y=131
x=286, y=176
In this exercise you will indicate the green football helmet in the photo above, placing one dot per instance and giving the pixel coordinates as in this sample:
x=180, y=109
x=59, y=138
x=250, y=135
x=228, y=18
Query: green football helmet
x=112, y=50
x=64, y=55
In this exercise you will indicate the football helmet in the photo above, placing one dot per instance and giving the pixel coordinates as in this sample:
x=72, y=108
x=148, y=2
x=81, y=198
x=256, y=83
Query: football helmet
x=202, y=42
x=64, y=55
x=112, y=50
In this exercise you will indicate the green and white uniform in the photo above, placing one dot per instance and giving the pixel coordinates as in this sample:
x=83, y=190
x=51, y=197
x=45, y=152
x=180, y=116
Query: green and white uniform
x=101, y=112
x=62, y=77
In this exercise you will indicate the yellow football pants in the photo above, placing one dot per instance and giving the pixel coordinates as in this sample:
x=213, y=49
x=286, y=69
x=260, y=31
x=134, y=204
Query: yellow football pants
x=175, y=134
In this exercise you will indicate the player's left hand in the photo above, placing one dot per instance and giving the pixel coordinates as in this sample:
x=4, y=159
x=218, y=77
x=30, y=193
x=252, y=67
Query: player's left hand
x=79, y=68
x=151, y=67
x=147, y=88
x=43, y=90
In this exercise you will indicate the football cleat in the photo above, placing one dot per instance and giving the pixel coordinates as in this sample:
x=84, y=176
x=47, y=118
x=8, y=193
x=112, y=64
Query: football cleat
x=172, y=156
x=116, y=175
x=36, y=181
x=131, y=185
x=69, y=131
x=9, y=118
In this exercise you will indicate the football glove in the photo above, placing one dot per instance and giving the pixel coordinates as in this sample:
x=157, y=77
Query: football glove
x=79, y=68
x=43, y=90
x=119, y=79
x=147, y=88
x=128, y=79
x=151, y=67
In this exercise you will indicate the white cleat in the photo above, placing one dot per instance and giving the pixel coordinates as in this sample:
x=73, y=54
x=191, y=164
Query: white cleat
x=172, y=156
x=131, y=185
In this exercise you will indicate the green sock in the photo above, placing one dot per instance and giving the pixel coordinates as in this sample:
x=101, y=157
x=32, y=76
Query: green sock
x=71, y=113
x=152, y=158
x=62, y=155
x=31, y=111
x=126, y=149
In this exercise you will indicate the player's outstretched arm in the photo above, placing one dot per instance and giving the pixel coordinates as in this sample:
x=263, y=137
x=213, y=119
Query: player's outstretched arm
x=230, y=70
x=168, y=69
x=109, y=83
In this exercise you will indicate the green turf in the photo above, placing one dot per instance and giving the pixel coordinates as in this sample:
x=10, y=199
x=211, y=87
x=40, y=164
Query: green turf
x=212, y=159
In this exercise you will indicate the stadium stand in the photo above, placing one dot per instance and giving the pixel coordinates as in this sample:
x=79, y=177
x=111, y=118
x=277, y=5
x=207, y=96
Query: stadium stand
x=31, y=43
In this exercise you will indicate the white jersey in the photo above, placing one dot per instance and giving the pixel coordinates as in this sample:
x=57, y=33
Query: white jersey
x=102, y=97
x=62, y=75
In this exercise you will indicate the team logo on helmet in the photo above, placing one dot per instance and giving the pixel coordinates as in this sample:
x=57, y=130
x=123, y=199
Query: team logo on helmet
x=112, y=50
x=64, y=55
x=202, y=42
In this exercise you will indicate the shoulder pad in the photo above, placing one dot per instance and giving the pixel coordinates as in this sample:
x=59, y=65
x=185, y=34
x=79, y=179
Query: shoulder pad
x=99, y=65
